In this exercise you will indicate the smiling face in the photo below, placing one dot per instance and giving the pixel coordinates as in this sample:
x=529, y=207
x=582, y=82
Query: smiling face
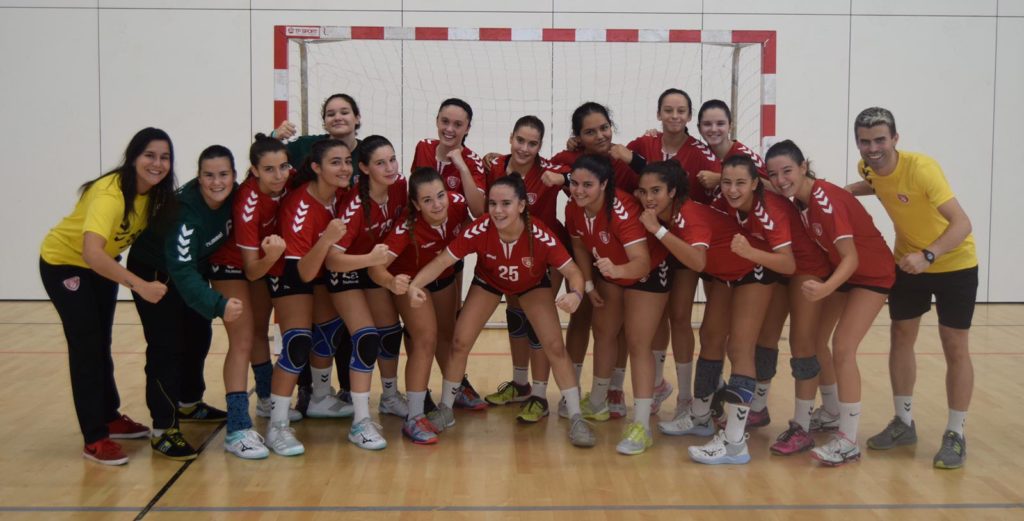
x=335, y=168
x=877, y=146
x=452, y=125
x=596, y=134
x=272, y=172
x=714, y=127
x=674, y=113
x=586, y=189
x=340, y=120
x=382, y=166
x=431, y=200
x=504, y=206
x=738, y=187
x=654, y=194
x=786, y=175
x=216, y=179
x=525, y=142
x=152, y=166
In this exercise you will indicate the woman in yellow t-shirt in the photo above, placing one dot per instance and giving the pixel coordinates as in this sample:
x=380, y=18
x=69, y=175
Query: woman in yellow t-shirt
x=78, y=263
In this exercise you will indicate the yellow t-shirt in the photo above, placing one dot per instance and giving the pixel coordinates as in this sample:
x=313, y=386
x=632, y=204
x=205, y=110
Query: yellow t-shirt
x=911, y=195
x=100, y=210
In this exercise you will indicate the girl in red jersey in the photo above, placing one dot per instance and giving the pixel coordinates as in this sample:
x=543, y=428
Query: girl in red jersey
x=238, y=271
x=543, y=181
x=369, y=212
x=715, y=123
x=432, y=220
x=306, y=220
x=607, y=234
x=863, y=273
x=513, y=254
x=736, y=308
x=463, y=172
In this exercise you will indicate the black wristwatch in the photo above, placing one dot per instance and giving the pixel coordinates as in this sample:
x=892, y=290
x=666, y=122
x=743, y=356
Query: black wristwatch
x=928, y=256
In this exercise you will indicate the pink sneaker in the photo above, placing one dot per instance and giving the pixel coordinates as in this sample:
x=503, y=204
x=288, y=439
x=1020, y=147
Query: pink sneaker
x=661, y=393
x=758, y=418
x=616, y=403
x=793, y=440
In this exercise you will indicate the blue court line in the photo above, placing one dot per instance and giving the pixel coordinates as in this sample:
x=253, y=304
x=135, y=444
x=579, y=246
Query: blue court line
x=527, y=508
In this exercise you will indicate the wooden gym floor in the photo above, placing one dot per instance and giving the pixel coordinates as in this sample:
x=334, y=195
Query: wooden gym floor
x=490, y=467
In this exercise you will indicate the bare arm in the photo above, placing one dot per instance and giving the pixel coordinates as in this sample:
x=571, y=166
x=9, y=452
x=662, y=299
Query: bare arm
x=860, y=188
x=98, y=260
x=815, y=290
x=955, y=234
x=779, y=261
x=255, y=266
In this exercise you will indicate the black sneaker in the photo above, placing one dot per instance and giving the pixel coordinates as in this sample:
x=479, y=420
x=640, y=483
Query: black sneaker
x=173, y=445
x=201, y=412
x=302, y=400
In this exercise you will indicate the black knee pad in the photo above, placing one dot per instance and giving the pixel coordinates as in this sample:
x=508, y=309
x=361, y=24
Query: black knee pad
x=390, y=341
x=765, y=362
x=531, y=335
x=805, y=368
x=517, y=323
x=740, y=390
x=296, y=345
x=705, y=378
x=365, y=348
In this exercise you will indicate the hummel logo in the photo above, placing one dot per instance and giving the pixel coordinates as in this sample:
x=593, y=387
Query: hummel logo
x=852, y=415
x=762, y=392
x=741, y=415
x=906, y=407
x=324, y=378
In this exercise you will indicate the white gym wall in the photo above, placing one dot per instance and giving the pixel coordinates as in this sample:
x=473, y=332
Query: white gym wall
x=80, y=77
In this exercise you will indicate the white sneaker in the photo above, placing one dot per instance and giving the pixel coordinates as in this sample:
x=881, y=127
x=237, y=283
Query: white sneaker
x=394, y=404
x=366, y=435
x=822, y=421
x=837, y=451
x=246, y=444
x=263, y=407
x=719, y=451
x=329, y=406
x=684, y=424
x=281, y=439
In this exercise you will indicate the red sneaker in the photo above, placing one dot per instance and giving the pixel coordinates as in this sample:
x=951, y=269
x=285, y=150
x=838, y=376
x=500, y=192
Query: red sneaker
x=125, y=428
x=105, y=452
x=616, y=403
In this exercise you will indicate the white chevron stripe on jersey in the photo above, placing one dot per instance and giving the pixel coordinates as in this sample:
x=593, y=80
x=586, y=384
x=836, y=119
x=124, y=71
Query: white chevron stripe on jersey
x=750, y=153
x=351, y=209
x=620, y=209
x=250, y=206
x=680, y=222
x=476, y=229
x=762, y=215
x=543, y=236
x=184, y=241
x=457, y=197
x=822, y=199
x=706, y=151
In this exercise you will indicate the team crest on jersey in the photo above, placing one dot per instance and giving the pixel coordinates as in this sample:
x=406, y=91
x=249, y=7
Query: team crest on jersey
x=453, y=182
x=531, y=198
x=903, y=198
x=817, y=229
x=73, y=283
x=605, y=238
x=528, y=262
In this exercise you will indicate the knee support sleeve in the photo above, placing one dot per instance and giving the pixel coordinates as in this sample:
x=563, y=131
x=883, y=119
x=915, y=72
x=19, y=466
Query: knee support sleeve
x=517, y=323
x=365, y=348
x=765, y=362
x=805, y=368
x=739, y=390
x=390, y=341
x=705, y=379
x=531, y=335
x=324, y=342
x=296, y=344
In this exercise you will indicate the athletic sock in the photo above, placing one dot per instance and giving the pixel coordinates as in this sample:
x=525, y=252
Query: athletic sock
x=279, y=406
x=902, y=405
x=830, y=398
x=701, y=408
x=956, y=421
x=520, y=375
x=262, y=373
x=736, y=422
x=599, y=390
x=642, y=411
x=156, y=433
x=238, y=411
x=448, y=392
x=684, y=375
x=361, y=403
x=659, y=366
x=416, y=401
x=802, y=413
x=390, y=386
x=760, y=400
x=849, y=419
x=540, y=389
x=618, y=378
x=572, y=400
x=321, y=380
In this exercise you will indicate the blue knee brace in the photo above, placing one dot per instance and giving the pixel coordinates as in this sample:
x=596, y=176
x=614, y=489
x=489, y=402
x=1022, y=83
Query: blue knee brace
x=390, y=341
x=325, y=337
x=740, y=390
x=365, y=348
x=295, y=351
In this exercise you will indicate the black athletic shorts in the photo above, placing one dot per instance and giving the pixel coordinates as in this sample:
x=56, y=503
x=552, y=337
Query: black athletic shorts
x=759, y=275
x=955, y=294
x=544, y=283
x=225, y=272
x=659, y=280
x=290, y=283
x=847, y=286
x=440, y=284
x=359, y=279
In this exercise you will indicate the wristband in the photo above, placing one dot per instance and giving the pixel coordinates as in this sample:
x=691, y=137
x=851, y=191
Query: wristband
x=588, y=286
x=578, y=294
x=661, y=233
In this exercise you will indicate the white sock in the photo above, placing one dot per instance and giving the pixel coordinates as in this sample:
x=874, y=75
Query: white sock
x=760, y=400
x=579, y=371
x=187, y=405
x=618, y=378
x=572, y=401
x=156, y=433
x=361, y=403
x=321, y=381
x=684, y=375
x=416, y=400
x=830, y=398
x=448, y=392
x=659, y=366
x=279, y=406
x=902, y=406
x=599, y=390
x=642, y=411
x=389, y=385
x=701, y=407
x=956, y=421
x=520, y=375
x=802, y=413
x=540, y=389
x=736, y=421
x=849, y=419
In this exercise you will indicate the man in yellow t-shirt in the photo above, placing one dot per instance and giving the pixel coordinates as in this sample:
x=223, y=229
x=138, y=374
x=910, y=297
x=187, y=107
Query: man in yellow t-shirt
x=935, y=255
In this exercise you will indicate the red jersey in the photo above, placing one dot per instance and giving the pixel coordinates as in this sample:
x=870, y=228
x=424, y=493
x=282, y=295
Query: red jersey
x=426, y=155
x=832, y=214
x=512, y=268
x=428, y=241
x=609, y=237
x=739, y=149
x=543, y=199
x=301, y=220
x=810, y=259
x=364, y=231
x=766, y=226
x=699, y=224
x=693, y=155
x=253, y=218
x=625, y=178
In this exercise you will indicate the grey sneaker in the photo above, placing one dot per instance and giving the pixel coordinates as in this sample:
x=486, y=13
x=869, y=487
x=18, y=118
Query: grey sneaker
x=441, y=418
x=895, y=434
x=685, y=424
x=581, y=434
x=563, y=409
x=263, y=407
x=952, y=453
x=281, y=439
x=822, y=421
x=394, y=404
x=328, y=406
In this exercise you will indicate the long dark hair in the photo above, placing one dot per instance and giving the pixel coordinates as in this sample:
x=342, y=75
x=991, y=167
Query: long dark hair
x=514, y=180
x=364, y=151
x=789, y=149
x=586, y=109
x=689, y=103
x=162, y=203
x=316, y=155
x=672, y=174
x=419, y=177
x=462, y=105
x=602, y=169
